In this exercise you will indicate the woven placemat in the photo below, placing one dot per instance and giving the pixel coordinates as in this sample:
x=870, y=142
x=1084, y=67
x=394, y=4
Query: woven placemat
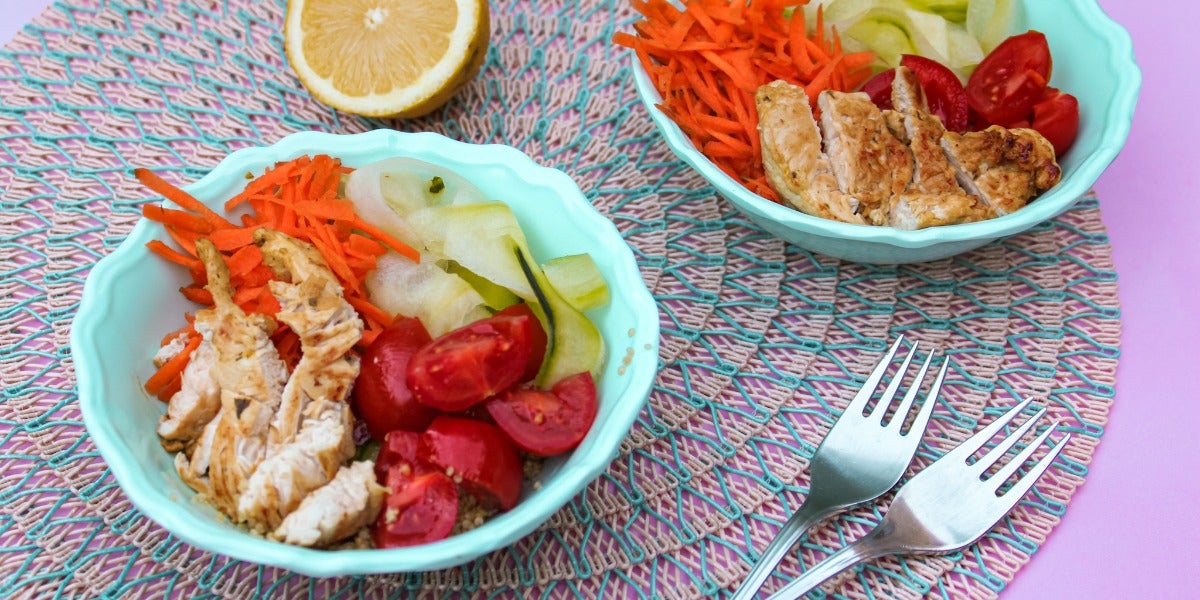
x=762, y=343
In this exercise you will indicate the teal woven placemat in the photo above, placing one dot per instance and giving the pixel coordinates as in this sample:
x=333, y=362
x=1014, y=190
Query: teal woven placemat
x=762, y=342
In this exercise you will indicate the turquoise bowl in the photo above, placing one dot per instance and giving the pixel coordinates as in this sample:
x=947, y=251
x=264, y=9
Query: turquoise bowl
x=130, y=300
x=1093, y=60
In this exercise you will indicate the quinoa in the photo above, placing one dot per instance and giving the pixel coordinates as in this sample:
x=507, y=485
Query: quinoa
x=471, y=513
x=533, y=471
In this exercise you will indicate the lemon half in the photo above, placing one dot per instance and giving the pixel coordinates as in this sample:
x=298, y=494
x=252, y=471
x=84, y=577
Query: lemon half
x=386, y=58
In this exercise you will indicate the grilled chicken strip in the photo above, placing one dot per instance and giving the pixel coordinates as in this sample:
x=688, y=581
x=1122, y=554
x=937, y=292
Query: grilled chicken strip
x=335, y=511
x=1004, y=167
x=311, y=433
x=312, y=305
x=247, y=371
x=304, y=464
x=870, y=164
x=196, y=402
x=791, y=147
x=932, y=172
x=933, y=197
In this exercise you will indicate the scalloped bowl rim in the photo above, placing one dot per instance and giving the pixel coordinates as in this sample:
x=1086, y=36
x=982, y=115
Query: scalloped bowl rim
x=499, y=531
x=1075, y=185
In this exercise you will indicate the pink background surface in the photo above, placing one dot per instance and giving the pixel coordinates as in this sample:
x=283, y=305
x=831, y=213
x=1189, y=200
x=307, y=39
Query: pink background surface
x=1130, y=531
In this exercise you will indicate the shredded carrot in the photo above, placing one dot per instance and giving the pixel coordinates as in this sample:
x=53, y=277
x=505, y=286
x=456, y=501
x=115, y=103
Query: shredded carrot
x=297, y=197
x=197, y=294
x=708, y=59
x=172, y=368
x=186, y=329
x=176, y=218
x=173, y=255
x=387, y=239
x=180, y=197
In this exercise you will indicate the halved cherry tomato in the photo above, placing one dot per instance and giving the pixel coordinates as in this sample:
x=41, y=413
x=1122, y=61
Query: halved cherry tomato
x=417, y=510
x=472, y=363
x=879, y=88
x=381, y=395
x=537, y=340
x=479, y=453
x=1056, y=116
x=1011, y=78
x=399, y=449
x=550, y=422
x=944, y=92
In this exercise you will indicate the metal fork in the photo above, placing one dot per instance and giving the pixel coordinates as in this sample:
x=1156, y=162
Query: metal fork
x=860, y=459
x=947, y=506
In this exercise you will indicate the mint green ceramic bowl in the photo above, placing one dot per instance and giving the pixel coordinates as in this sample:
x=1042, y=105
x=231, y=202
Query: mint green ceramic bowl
x=130, y=300
x=1093, y=59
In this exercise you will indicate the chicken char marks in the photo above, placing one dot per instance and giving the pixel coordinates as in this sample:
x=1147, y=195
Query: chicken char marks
x=899, y=168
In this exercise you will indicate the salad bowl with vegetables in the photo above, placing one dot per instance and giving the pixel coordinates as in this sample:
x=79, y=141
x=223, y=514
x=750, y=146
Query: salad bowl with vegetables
x=372, y=353
x=1009, y=92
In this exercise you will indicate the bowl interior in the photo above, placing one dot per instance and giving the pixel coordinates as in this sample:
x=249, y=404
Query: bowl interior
x=130, y=301
x=1093, y=60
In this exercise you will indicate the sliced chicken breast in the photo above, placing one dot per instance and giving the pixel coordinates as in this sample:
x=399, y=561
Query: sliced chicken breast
x=870, y=164
x=933, y=197
x=313, y=306
x=795, y=166
x=196, y=402
x=932, y=172
x=1004, y=167
x=918, y=211
x=249, y=375
x=304, y=464
x=335, y=511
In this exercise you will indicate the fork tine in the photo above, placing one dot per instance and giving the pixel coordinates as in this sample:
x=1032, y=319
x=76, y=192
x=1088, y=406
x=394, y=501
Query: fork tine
x=911, y=396
x=889, y=393
x=1011, y=467
x=975, y=442
x=868, y=388
x=1007, y=443
x=1026, y=483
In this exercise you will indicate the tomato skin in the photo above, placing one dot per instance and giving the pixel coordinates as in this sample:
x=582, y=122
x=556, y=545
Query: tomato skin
x=399, y=447
x=879, y=88
x=944, y=92
x=1011, y=78
x=480, y=454
x=472, y=363
x=537, y=338
x=1056, y=116
x=381, y=396
x=417, y=510
x=547, y=422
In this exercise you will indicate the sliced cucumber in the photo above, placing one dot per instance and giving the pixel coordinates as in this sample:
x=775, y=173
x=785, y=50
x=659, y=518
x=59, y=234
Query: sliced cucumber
x=889, y=38
x=473, y=235
x=494, y=296
x=956, y=33
x=574, y=345
x=990, y=21
x=385, y=192
x=442, y=301
x=954, y=11
x=577, y=279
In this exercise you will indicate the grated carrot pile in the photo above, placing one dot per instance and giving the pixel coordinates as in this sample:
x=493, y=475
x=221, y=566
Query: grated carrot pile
x=708, y=57
x=299, y=198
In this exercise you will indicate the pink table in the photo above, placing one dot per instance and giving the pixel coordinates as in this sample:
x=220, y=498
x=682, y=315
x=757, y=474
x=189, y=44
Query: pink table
x=1128, y=529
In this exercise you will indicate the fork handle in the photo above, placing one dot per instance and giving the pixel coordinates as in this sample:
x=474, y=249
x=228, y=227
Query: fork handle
x=860, y=550
x=809, y=514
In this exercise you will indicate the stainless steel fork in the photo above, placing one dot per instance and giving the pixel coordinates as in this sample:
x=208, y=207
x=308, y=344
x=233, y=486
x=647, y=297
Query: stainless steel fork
x=947, y=506
x=860, y=459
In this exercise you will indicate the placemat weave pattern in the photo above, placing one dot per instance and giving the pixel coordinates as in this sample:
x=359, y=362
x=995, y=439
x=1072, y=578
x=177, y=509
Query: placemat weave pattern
x=762, y=343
